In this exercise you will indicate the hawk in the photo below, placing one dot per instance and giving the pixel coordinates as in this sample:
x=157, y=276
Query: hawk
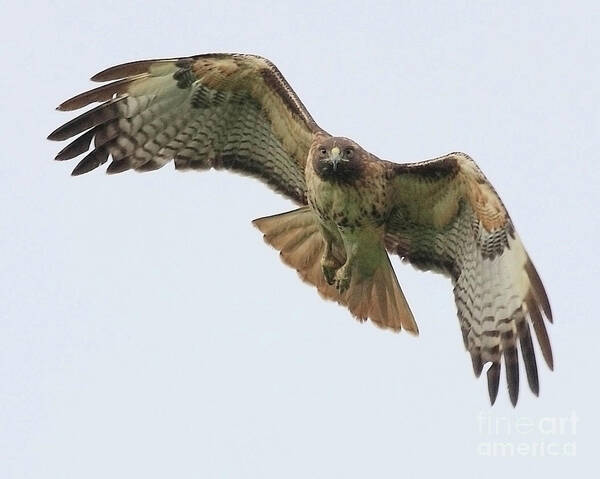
x=237, y=112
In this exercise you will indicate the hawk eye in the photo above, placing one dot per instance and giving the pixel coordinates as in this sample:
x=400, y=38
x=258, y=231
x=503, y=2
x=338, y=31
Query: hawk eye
x=349, y=153
x=323, y=151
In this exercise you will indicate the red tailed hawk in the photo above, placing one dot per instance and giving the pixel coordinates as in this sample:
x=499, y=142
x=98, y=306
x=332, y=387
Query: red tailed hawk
x=237, y=112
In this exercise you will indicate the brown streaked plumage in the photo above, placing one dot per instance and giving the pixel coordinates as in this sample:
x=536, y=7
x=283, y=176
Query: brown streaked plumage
x=237, y=112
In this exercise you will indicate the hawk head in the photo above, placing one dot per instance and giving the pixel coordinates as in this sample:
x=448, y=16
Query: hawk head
x=337, y=159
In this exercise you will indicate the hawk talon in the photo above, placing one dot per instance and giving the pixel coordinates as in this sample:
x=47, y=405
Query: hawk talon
x=342, y=280
x=329, y=268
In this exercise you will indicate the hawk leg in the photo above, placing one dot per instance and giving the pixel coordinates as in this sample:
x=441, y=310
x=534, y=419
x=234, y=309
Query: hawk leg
x=364, y=252
x=343, y=275
x=330, y=264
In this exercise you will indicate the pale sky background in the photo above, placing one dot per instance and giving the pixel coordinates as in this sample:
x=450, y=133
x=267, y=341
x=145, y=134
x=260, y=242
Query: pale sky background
x=147, y=331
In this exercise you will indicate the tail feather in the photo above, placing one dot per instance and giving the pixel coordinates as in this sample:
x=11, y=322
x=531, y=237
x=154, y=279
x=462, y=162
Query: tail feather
x=387, y=306
x=297, y=236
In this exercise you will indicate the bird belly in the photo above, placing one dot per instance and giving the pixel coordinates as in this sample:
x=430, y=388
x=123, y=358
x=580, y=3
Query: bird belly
x=348, y=213
x=346, y=206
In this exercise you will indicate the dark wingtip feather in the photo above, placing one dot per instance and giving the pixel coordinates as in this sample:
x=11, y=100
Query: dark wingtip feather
x=477, y=363
x=493, y=377
x=528, y=354
x=538, y=289
x=56, y=135
x=83, y=99
x=540, y=330
x=81, y=169
x=92, y=161
x=80, y=145
x=100, y=94
x=118, y=166
x=511, y=364
x=96, y=116
x=151, y=165
x=126, y=70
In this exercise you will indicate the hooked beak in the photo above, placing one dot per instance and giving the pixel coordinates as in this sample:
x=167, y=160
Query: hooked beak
x=335, y=157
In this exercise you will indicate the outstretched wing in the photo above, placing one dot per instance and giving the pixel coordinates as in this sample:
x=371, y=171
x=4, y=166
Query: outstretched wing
x=229, y=111
x=447, y=217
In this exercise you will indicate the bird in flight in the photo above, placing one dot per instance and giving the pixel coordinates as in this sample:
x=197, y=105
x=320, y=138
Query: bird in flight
x=237, y=112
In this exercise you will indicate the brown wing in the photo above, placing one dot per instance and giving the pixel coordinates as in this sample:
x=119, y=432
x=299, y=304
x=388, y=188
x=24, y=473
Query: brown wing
x=447, y=217
x=208, y=111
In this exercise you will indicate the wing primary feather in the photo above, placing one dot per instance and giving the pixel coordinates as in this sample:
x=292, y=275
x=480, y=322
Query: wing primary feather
x=102, y=93
x=125, y=70
x=78, y=146
x=540, y=330
x=149, y=166
x=477, y=363
x=96, y=116
x=493, y=377
x=93, y=160
x=528, y=354
x=511, y=364
x=119, y=166
x=538, y=289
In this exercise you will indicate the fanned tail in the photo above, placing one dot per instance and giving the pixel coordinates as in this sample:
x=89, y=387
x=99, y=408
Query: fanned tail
x=296, y=235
